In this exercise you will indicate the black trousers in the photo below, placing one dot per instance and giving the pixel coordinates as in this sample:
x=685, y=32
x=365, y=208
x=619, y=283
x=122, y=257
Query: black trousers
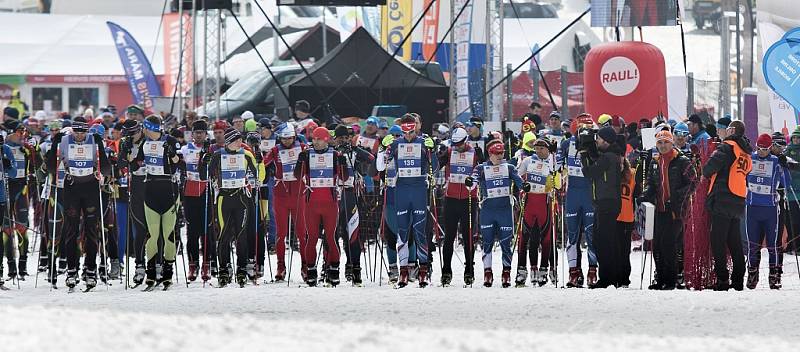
x=198, y=229
x=256, y=239
x=665, y=238
x=137, y=221
x=232, y=211
x=456, y=219
x=624, y=229
x=606, y=242
x=725, y=239
x=81, y=200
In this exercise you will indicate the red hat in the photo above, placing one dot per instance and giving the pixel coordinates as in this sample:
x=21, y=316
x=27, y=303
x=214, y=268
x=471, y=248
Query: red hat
x=311, y=127
x=496, y=147
x=321, y=133
x=582, y=119
x=221, y=125
x=764, y=141
x=617, y=121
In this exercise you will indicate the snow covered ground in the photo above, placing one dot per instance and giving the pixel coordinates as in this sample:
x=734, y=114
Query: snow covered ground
x=274, y=317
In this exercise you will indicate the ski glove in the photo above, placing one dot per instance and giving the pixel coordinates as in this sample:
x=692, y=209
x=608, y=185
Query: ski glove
x=388, y=140
x=429, y=142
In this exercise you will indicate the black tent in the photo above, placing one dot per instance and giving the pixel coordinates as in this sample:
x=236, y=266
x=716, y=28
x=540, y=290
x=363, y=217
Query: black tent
x=344, y=76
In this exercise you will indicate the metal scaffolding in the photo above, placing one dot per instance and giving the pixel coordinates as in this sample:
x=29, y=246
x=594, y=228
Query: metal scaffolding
x=493, y=103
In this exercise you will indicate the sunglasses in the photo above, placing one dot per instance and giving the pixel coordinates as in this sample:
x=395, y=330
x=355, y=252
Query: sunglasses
x=681, y=134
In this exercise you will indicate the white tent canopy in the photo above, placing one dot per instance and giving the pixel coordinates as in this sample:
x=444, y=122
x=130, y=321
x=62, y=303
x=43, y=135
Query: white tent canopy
x=45, y=44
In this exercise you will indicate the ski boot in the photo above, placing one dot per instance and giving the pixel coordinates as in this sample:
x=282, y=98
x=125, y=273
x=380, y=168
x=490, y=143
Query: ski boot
x=332, y=276
x=62, y=266
x=348, y=272
x=522, y=275
x=241, y=276
x=214, y=269
x=259, y=271
x=166, y=276
x=90, y=279
x=311, y=276
x=574, y=278
x=72, y=280
x=205, y=272
x=102, y=273
x=591, y=276
x=506, y=277
x=23, y=269
x=394, y=274
x=488, y=278
x=138, y=276
x=357, y=276
x=223, y=278
x=3, y=284
x=322, y=277
x=403, y=280
x=280, y=273
x=447, y=277
x=752, y=277
x=114, y=272
x=469, y=276
x=413, y=272
x=251, y=270
x=542, y=280
x=774, y=278
x=12, y=269
x=554, y=276
x=192, y=274
x=721, y=285
x=423, y=275
x=271, y=249
x=680, y=283
x=44, y=262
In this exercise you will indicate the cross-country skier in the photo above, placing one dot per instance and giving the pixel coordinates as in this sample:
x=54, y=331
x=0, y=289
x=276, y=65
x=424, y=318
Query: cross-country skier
x=198, y=204
x=494, y=178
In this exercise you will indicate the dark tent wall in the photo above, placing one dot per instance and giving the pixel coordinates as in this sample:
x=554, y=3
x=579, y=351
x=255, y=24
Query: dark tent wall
x=344, y=76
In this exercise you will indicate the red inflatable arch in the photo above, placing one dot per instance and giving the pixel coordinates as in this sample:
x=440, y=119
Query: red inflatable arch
x=626, y=79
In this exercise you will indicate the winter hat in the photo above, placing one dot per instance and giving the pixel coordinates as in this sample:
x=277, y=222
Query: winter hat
x=696, y=119
x=250, y=125
x=231, y=135
x=321, y=133
x=396, y=131
x=604, y=120
x=764, y=141
x=459, y=136
x=79, y=124
x=527, y=138
x=617, y=121
x=130, y=127
x=247, y=115
x=681, y=128
x=608, y=134
x=200, y=125
x=221, y=125
x=11, y=112
x=134, y=109
x=796, y=132
x=723, y=122
x=664, y=136
x=341, y=131
x=779, y=139
x=372, y=120
x=13, y=125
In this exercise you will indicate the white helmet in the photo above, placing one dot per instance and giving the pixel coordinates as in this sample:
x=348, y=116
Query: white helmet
x=459, y=135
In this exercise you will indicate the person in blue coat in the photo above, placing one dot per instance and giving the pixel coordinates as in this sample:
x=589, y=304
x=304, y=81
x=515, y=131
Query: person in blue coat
x=761, y=211
x=494, y=178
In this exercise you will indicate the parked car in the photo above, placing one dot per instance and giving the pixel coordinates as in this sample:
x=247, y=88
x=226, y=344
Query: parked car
x=529, y=10
x=706, y=11
x=257, y=93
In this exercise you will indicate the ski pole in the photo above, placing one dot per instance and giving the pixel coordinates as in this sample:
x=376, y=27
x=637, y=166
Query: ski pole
x=52, y=269
x=207, y=190
x=102, y=222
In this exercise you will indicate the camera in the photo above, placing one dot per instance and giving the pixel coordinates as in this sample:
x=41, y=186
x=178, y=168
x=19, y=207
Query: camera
x=586, y=137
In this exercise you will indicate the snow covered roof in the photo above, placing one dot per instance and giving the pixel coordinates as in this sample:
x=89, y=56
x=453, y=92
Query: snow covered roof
x=519, y=37
x=46, y=44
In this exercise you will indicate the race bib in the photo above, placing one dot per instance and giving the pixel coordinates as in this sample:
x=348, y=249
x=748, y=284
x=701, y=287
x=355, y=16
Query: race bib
x=536, y=175
x=192, y=158
x=320, y=169
x=19, y=162
x=366, y=142
x=573, y=161
x=154, y=158
x=80, y=159
x=288, y=158
x=460, y=166
x=759, y=181
x=409, y=160
x=233, y=170
x=497, y=181
x=266, y=145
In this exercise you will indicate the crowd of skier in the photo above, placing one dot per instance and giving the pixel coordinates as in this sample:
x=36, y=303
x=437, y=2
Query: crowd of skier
x=124, y=196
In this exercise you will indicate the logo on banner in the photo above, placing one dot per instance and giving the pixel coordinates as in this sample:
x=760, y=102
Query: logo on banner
x=619, y=76
x=781, y=67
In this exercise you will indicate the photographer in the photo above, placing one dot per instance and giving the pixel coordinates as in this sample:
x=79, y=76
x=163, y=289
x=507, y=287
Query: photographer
x=603, y=168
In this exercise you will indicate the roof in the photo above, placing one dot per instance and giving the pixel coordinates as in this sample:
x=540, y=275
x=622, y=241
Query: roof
x=357, y=62
x=46, y=44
